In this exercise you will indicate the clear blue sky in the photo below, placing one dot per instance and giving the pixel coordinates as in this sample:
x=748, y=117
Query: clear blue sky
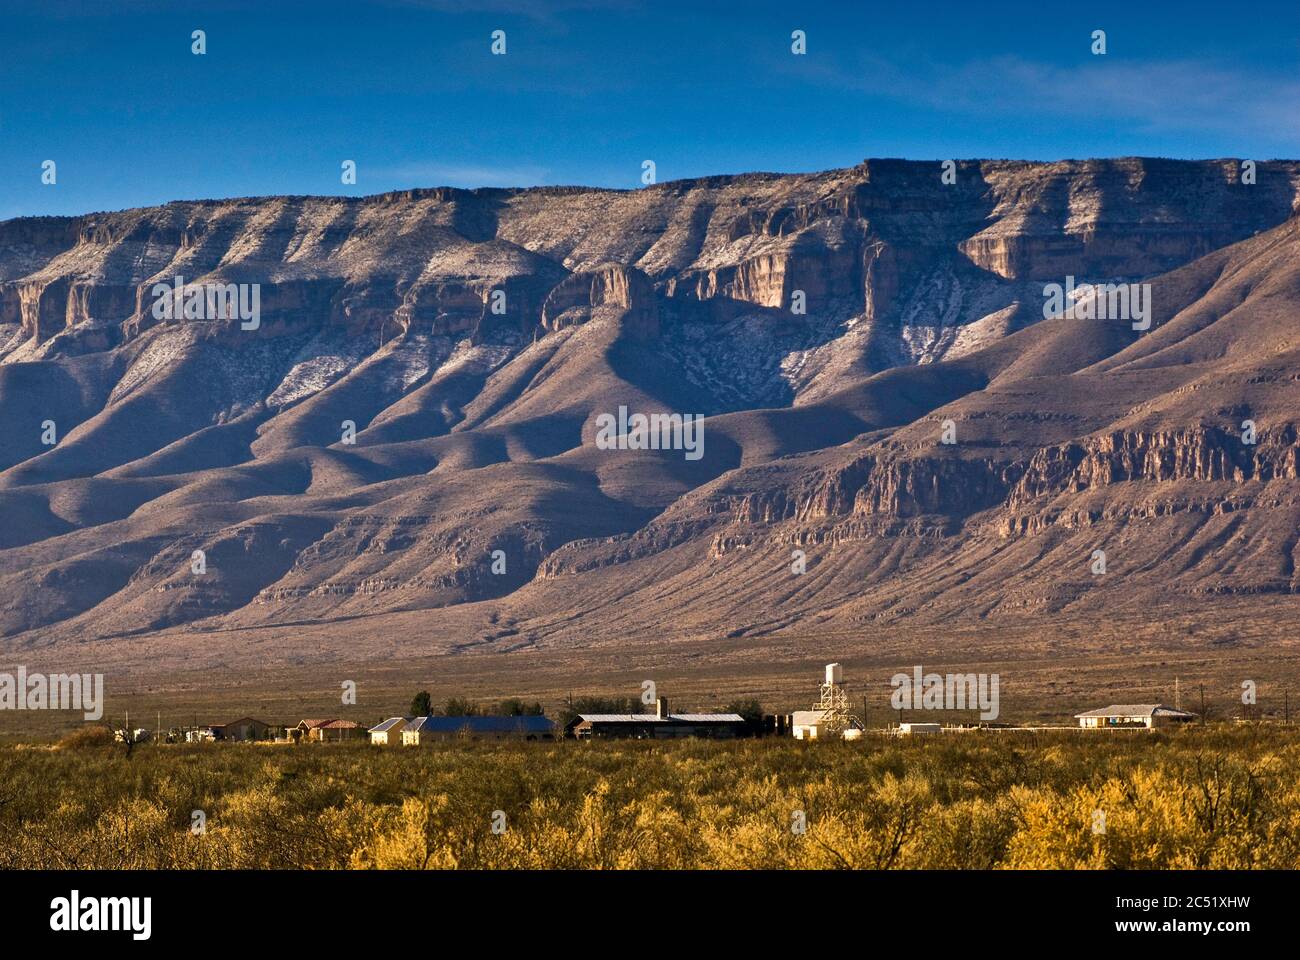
x=589, y=89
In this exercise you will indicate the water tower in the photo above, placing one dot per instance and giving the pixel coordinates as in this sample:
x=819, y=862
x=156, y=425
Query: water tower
x=834, y=704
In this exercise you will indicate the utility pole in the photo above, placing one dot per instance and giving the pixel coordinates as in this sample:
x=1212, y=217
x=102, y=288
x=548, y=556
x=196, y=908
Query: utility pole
x=1178, y=696
x=1202, y=704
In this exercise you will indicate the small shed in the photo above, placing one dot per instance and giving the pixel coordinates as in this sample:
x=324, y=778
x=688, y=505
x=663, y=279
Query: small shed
x=809, y=725
x=389, y=733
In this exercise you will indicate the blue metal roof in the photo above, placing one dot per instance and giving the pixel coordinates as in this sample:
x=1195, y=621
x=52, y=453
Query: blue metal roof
x=482, y=725
x=654, y=718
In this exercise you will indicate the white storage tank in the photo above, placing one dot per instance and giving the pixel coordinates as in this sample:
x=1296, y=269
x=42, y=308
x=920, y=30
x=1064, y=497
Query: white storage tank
x=834, y=674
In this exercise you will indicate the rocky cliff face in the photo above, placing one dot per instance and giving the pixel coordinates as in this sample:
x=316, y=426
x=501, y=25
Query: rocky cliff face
x=855, y=242
x=621, y=289
x=954, y=489
x=411, y=423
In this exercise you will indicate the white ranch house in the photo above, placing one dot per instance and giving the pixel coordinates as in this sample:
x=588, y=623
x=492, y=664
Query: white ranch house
x=1119, y=716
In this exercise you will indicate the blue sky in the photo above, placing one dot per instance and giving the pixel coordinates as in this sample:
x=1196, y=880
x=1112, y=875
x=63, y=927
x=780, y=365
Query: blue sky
x=588, y=90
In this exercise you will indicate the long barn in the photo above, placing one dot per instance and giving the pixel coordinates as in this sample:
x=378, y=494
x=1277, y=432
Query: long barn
x=660, y=725
x=431, y=729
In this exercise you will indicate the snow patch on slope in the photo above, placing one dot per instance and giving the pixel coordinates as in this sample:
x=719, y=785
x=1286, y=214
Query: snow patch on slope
x=168, y=346
x=474, y=358
x=320, y=362
x=410, y=358
x=756, y=361
x=951, y=314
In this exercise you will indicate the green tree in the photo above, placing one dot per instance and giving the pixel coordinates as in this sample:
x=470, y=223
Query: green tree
x=514, y=707
x=598, y=705
x=458, y=707
x=752, y=712
x=421, y=704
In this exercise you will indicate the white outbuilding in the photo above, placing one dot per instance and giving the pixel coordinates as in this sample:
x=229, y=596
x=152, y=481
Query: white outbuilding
x=918, y=729
x=389, y=733
x=810, y=725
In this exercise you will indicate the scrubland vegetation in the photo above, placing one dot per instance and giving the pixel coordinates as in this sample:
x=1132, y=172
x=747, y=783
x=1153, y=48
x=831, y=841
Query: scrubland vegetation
x=1201, y=798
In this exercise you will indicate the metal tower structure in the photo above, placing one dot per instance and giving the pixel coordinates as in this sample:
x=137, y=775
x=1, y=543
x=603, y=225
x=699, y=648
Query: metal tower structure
x=834, y=704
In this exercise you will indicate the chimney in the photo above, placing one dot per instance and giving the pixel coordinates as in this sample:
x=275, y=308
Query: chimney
x=661, y=708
